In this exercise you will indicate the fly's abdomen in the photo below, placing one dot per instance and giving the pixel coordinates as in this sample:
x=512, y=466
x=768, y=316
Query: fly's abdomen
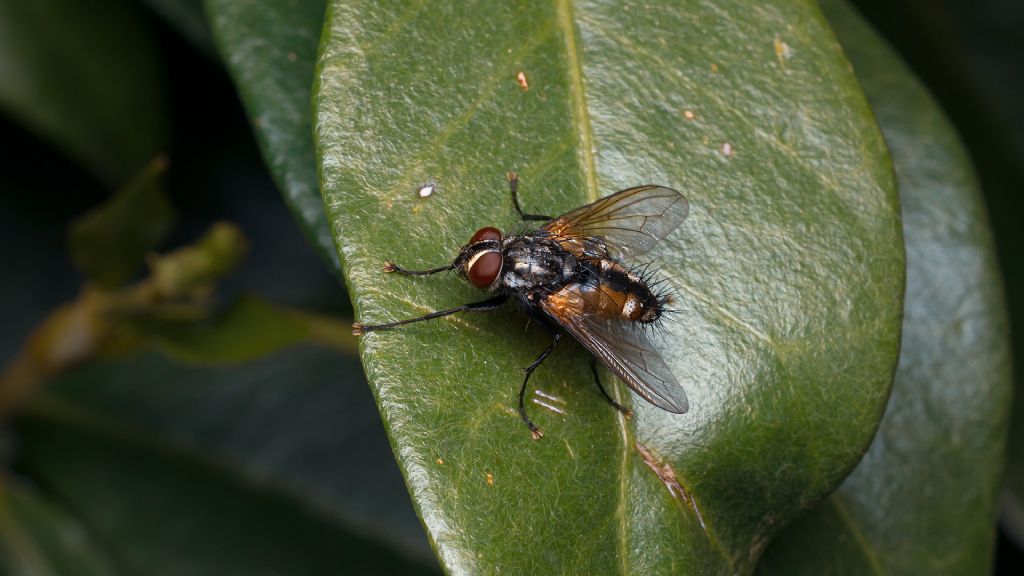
x=613, y=292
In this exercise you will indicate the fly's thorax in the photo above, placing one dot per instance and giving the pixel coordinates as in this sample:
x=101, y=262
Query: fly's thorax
x=533, y=262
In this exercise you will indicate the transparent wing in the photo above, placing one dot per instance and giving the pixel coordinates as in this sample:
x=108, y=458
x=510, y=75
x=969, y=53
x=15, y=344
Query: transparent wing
x=630, y=222
x=624, y=348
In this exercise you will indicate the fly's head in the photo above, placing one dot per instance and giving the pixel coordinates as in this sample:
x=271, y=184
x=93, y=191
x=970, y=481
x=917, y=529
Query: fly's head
x=480, y=261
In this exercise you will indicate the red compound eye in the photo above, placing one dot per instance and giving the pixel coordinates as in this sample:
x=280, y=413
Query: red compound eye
x=486, y=234
x=484, y=267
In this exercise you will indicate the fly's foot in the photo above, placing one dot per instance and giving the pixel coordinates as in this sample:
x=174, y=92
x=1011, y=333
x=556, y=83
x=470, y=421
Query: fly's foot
x=513, y=178
x=358, y=329
x=535, y=432
x=389, y=266
x=622, y=409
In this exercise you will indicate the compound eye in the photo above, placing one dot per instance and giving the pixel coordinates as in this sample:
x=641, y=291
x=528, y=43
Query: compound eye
x=488, y=233
x=484, y=268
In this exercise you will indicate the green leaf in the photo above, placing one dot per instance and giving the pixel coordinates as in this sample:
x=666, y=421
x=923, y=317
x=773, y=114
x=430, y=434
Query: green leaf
x=248, y=329
x=188, y=18
x=38, y=538
x=270, y=47
x=301, y=420
x=85, y=76
x=923, y=500
x=195, y=270
x=788, y=273
x=157, y=458
x=109, y=243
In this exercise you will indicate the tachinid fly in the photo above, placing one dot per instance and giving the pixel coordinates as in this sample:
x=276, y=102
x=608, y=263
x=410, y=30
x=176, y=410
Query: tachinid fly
x=569, y=273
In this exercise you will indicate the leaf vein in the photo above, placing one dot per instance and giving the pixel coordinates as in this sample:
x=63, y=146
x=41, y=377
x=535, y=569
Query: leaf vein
x=855, y=531
x=578, y=95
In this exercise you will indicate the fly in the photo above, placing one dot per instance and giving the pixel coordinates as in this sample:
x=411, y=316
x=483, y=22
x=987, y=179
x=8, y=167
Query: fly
x=569, y=273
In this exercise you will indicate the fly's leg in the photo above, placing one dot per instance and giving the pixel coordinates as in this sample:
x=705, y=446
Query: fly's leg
x=513, y=186
x=390, y=266
x=534, y=430
x=625, y=411
x=358, y=329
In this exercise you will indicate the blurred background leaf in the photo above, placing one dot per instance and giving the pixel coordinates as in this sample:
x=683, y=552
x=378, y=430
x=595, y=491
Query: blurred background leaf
x=188, y=18
x=38, y=538
x=247, y=329
x=109, y=243
x=311, y=400
x=250, y=469
x=269, y=47
x=969, y=54
x=86, y=77
x=923, y=500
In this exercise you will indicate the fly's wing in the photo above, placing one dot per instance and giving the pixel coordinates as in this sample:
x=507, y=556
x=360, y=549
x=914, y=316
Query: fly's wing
x=625, y=350
x=630, y=221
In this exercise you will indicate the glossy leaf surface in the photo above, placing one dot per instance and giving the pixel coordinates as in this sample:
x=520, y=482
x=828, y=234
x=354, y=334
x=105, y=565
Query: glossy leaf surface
x=923, y=500
x=788, y=273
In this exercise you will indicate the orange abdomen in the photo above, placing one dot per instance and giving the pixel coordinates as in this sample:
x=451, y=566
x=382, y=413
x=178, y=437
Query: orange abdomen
x=631, y=301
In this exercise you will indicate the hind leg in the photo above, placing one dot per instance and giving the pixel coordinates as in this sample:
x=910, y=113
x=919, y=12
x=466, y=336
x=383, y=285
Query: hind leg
x=597, y=380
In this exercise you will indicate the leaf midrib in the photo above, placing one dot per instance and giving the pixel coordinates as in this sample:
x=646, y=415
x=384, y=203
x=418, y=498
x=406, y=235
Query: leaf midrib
x=578, y=95
x=585, y=146
x=585, y=143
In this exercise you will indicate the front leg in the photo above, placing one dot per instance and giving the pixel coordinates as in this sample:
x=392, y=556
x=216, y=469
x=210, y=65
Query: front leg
x=390, y=266
x=358, y=329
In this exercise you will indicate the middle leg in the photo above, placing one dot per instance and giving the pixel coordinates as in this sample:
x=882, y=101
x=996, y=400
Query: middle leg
x=534, y=430
x=358, y=328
